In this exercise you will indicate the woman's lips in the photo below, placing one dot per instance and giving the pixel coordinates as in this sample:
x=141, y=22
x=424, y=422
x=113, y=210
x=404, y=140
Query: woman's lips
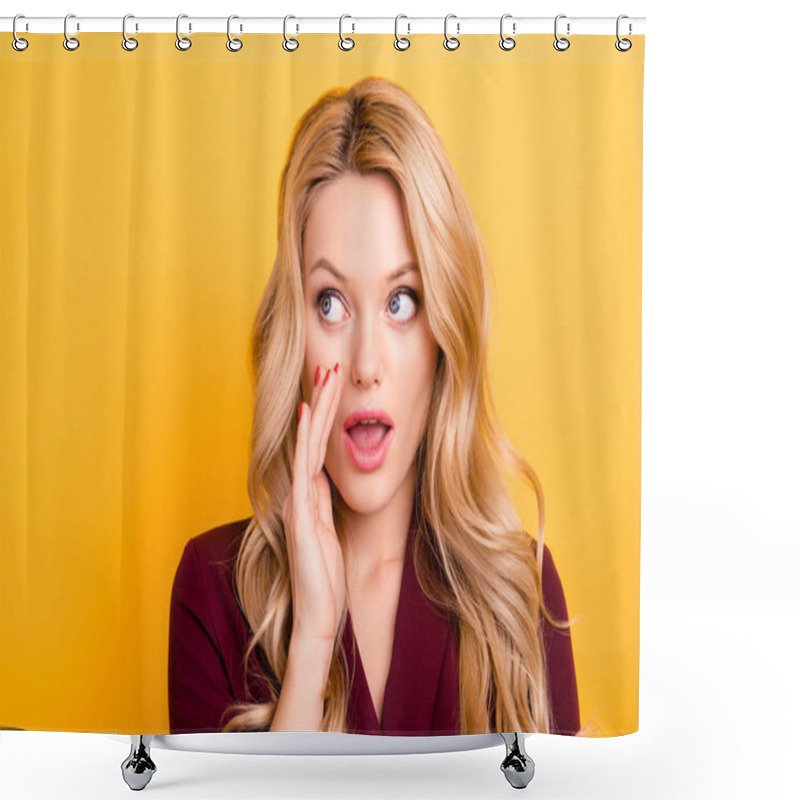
x=364, y=457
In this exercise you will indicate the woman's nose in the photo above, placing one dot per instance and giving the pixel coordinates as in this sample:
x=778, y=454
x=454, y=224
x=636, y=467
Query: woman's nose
x=367, y=357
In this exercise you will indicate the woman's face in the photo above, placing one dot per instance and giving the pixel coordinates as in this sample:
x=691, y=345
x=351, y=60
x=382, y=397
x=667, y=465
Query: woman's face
x=374, y=324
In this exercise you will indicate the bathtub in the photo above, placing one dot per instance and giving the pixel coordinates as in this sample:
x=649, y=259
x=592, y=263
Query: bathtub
x=138, y=768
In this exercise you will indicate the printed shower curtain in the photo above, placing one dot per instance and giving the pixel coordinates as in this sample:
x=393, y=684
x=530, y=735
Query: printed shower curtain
x=161, y=214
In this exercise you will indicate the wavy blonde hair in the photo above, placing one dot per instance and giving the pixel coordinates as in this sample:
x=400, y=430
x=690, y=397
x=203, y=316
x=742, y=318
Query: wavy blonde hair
x=472, y=558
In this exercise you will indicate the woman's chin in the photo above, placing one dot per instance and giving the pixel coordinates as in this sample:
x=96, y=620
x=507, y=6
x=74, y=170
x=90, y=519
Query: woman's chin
x=363, y=492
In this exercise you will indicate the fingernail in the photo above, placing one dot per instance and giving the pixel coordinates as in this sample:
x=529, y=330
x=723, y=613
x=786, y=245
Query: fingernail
x=327, y=375
x=336, y=368
x=316, y=376
x=300, y=412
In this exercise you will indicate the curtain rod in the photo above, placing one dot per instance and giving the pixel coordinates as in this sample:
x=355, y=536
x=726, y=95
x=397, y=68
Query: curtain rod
x=457, y=26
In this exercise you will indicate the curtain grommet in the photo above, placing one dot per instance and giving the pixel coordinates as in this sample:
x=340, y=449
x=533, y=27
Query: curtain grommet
x=561, y=44
x=451, y=42
x=507, y=42
x=182, y=42
x=233, y=44
x=70, y=42
x=290, y=44
x=18, y=43
x=623, y=45
x=345, y=42
x=129, y=43
x=400, y=42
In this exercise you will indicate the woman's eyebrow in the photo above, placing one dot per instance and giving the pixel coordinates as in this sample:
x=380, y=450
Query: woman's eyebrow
x=323, y=263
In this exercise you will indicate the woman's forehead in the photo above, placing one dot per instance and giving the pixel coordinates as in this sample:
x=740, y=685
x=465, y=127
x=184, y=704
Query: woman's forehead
x=356, y=234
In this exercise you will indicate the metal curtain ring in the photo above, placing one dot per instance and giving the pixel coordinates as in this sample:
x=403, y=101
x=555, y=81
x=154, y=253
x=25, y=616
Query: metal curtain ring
x=345, y=42
x=18, y=43
x=70, y=42
x=290, y=44
x=128, y=42
x=233, y=44
x=400, y=42
x=506, y=42
x=182, y=42
x=451, y=42
x=560, y=43
x=623, y=45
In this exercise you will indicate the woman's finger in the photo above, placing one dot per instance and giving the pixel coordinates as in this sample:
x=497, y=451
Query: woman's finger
x=315, y=401
x=301, y=450
x=336, y=377
x=296, y=461
x=318, y=423
x=315, y=392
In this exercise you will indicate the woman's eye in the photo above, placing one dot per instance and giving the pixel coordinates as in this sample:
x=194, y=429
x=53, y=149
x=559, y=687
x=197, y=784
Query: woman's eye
x=325, y=300
x=395, y=304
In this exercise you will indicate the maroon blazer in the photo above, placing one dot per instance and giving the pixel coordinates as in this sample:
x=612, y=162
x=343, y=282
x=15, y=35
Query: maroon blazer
x=208, y=635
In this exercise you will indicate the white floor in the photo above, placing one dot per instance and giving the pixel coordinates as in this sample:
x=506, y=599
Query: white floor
x=718, y=719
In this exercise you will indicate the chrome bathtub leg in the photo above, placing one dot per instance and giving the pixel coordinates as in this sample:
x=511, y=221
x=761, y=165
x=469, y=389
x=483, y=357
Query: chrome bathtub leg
x=517, y=766
x=138, y=767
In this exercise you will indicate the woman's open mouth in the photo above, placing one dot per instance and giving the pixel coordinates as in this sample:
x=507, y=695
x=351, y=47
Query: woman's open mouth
x=367, y=444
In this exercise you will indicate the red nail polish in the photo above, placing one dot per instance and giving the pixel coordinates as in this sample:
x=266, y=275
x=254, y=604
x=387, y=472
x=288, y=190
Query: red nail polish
x=316, y=376
x=300, y=412
x=336, y=368
x=327, y=375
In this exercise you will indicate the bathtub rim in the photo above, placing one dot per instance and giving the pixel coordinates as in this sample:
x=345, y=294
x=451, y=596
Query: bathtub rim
x=316, y=743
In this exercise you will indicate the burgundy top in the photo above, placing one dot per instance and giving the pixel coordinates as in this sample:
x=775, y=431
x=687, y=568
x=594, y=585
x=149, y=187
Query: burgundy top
x=208, y=635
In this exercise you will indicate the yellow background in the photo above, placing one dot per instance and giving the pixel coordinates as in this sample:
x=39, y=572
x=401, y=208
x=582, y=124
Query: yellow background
x=139, y=196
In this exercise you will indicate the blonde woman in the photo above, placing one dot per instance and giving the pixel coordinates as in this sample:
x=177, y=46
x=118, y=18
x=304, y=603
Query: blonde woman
x=384, y=583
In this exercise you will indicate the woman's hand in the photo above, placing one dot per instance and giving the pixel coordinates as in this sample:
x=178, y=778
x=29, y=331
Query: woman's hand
x=316, y=566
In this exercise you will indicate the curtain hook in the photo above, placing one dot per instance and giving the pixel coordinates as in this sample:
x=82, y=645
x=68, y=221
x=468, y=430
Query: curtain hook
x=290, y=44
x=128, y=42
x=451, y=42
x=400, y=42
x=70, y=42
x=506, y=42
x=18, y=43
x=345, y=42
x=560, y=43
x=623, y=48
x=233, y=44
x=182, y=42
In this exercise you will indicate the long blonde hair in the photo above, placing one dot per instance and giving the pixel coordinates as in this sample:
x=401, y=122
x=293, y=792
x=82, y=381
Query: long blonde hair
x=472, y=558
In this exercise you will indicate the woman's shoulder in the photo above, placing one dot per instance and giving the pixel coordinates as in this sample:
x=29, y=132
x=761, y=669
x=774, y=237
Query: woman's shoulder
x=206, y=565
x=220, y=543
x=207, y=633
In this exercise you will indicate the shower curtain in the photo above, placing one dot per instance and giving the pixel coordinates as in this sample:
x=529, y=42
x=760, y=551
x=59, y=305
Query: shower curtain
x=140, y=193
